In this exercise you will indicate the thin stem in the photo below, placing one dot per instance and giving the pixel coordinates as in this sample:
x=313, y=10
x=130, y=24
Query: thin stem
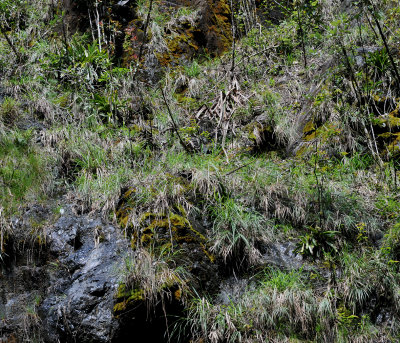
x=175, y=126
x=146, y=25
x=302, y=37
x=319, y=187
x=10, y=43
x=233, y=41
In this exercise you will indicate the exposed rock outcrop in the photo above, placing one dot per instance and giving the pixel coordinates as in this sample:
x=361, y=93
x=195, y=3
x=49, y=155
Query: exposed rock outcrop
x=68, y=293
x=90, y=258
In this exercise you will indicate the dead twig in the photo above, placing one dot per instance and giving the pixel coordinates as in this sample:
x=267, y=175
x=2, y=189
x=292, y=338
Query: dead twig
x=146, y=25
x=10, y=43
x=175, y=126
x=240, y=167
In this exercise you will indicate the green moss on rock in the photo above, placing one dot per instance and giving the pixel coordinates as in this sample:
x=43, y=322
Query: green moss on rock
x=181, y=45
x=165, y=230
x=126, y=297
x=211, y=33
x=387, y=129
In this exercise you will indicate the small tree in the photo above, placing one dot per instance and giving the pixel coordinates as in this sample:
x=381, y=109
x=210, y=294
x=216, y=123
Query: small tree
x=8, y=16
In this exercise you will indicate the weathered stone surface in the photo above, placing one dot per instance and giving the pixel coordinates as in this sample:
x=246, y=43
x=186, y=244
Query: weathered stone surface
x=90, y=257
x=282, y=255
x=62, y=290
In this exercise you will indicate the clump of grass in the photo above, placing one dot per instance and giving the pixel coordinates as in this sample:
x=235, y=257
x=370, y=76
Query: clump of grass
x=24, y=171
x=391, y=246
x=193, y=70
x=268, y=312
x=155, y=278
x=366, y=277
x=236, y=231
x=9, y=111
x=281, y=280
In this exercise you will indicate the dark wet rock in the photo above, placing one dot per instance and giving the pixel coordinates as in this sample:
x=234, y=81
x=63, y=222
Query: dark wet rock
x=281, y=255
x=30, y=124
x=385, y=317
x=62, y=288
x=90, y=257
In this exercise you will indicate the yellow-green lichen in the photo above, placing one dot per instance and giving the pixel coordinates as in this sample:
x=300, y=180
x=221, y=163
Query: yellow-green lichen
x=396, y=111
x=125, y=208
x=184, y=42
x=309, y=128
x=393, y=121
x=256, y=131
x=393, y=149
x=220, y=25
x=388, y=121
x=165, y=229
x=180, y=45
x=323, y=134
x=126, y=297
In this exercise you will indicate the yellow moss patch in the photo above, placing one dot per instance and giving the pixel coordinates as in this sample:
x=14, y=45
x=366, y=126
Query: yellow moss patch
x=211, y=257
x=394, y=147
x=125, y=208
x=301, y=151
x=386, y=135
x=127, y=297
x=395, y=112
x=220, y=25
x=178, y=294
x=388, y=121
x=181, y=44
x=393, y=121
x=165, y=229
x=308, y=128
x=323, y=133
x=184, y=41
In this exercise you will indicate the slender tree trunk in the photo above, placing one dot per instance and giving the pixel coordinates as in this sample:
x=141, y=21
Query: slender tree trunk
x=3, y=31
x=146, y=25
x=396, y=71
x=303, y=46
x=233, y=41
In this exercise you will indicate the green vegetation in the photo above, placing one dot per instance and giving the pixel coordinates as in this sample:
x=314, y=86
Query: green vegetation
x=24, y=171
x=291, y=136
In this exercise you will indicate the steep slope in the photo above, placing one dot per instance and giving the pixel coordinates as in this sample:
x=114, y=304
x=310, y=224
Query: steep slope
x=206, y=171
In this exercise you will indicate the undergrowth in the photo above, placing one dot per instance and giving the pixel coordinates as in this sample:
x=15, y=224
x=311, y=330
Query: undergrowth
x=296, y=141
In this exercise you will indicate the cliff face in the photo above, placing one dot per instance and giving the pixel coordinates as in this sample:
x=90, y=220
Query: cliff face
x=188, y=171
x=189, y=28
x=63, y=287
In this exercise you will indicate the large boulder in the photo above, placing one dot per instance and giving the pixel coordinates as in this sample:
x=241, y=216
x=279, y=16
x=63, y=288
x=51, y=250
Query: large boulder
x=89, y=266
x=57, y=282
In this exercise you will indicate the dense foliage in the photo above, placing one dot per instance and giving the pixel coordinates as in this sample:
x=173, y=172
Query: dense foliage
x=291, y=135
